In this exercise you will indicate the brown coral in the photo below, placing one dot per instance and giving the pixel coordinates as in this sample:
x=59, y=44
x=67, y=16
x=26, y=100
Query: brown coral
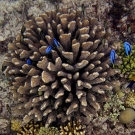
x=72, y=128
x=69, y=80
x=30, y=128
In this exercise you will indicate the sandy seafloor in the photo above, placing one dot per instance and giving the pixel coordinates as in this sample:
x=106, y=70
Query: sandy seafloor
x=13, y=14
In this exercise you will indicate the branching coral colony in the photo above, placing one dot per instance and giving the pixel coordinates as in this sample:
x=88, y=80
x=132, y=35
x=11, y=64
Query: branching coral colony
x=60, y=67
x=31, y=128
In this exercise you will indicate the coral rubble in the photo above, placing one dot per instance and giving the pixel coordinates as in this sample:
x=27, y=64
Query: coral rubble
x=4, y=126
x=122, y=14
x=15, y=12
x=103, y=127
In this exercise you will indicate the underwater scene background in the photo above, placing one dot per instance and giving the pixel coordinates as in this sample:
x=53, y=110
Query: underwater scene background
x=67, y=67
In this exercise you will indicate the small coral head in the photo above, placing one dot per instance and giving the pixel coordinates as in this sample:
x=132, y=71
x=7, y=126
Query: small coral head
x=127, y=48
x=112, y=56
x=56, y=43
x=48, y=49
x=29, y=62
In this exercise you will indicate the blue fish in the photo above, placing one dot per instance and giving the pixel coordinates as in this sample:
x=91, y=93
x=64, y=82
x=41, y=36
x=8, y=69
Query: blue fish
x=29, y=62
x=131, y=84
x=48, y=49
x=127, y=48
x=112, y=56
x=56, y=43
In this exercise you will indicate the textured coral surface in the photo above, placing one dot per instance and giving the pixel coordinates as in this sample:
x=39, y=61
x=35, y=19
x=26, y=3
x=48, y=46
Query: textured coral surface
x=66, y=81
